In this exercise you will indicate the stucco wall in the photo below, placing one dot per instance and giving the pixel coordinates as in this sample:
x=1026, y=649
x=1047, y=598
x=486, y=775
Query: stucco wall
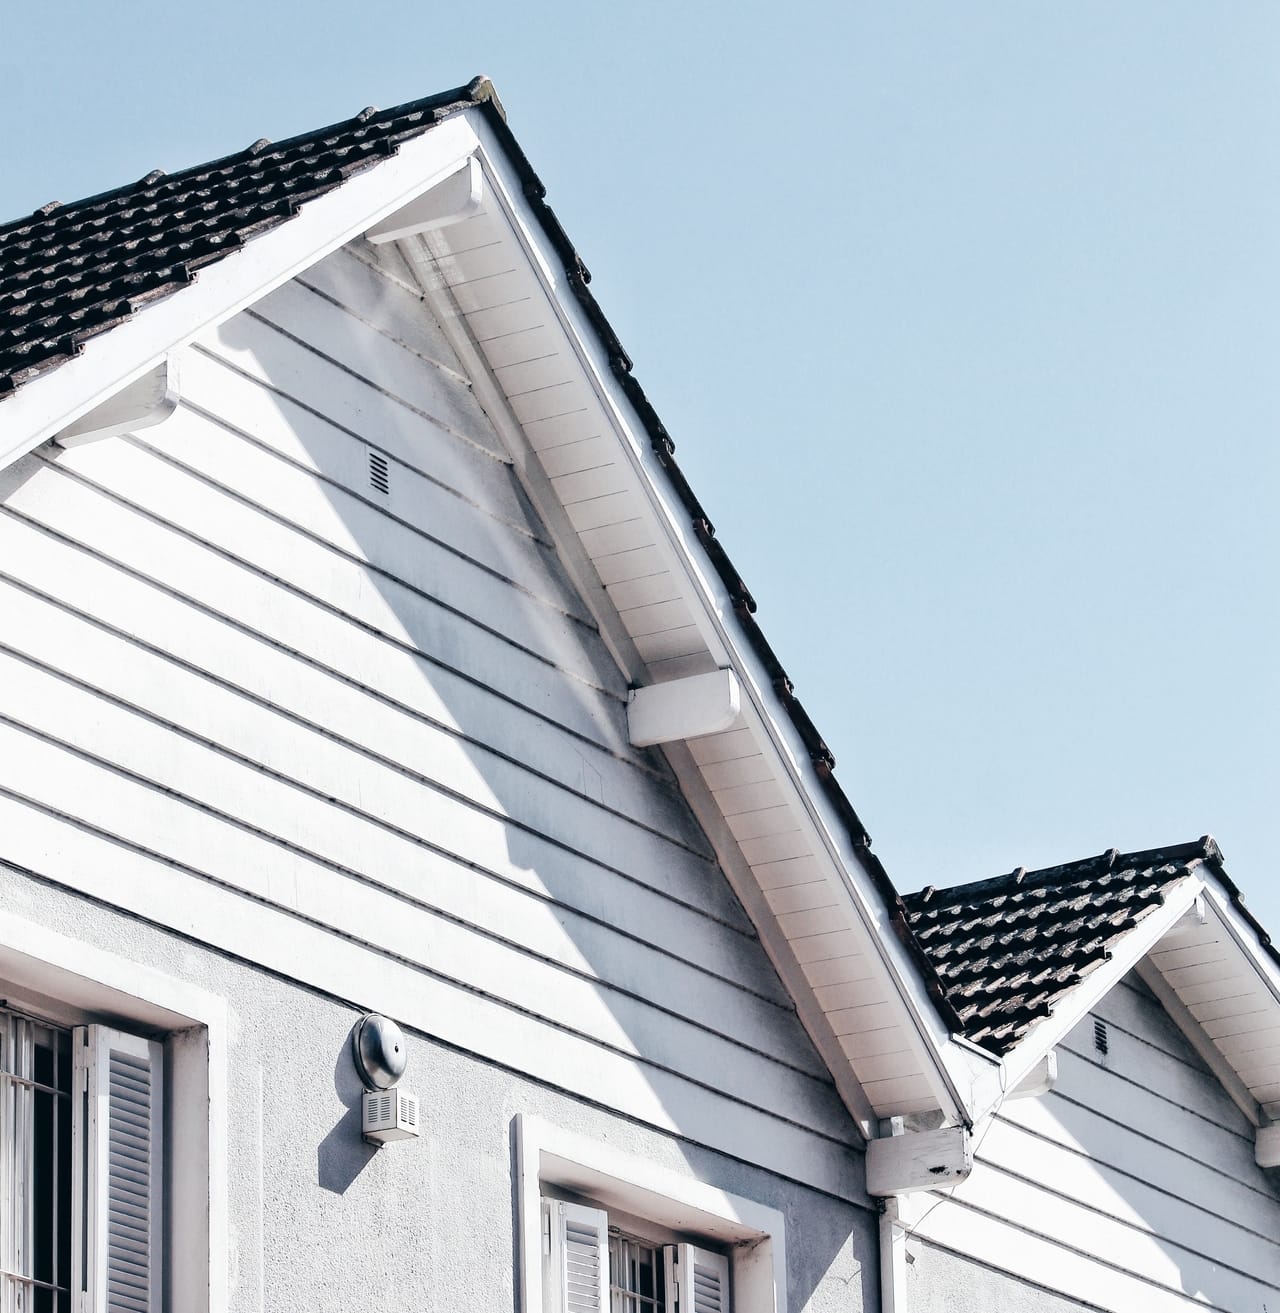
x=320, y=1221
x=937, y=1280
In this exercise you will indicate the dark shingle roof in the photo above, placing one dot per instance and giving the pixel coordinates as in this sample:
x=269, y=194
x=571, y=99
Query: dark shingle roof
x=1008, y=950
x=69, y=272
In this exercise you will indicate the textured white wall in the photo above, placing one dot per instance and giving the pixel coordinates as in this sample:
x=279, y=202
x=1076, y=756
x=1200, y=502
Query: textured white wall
x=321, y=1221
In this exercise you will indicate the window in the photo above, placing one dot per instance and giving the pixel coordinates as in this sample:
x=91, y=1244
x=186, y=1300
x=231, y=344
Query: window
x=93, y=1118
x=35, y=1165
x=79, y=1168
x=590, y=1266
x=602, y=1231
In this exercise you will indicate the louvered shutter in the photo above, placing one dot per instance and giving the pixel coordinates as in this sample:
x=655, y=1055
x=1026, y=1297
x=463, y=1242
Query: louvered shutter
x=577, y=1267
x=697, y=1280
x=116, y=1146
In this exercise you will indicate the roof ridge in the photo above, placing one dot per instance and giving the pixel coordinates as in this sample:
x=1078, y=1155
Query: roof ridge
x=474, y=92
x=1113, y=859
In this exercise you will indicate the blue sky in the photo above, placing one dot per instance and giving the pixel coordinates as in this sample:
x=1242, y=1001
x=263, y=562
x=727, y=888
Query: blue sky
x=964, y=318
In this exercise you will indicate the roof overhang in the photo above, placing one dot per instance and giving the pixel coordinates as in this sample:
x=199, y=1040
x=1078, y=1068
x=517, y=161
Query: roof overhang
x=599, y=466
x=465, y=208
x=1212, y=968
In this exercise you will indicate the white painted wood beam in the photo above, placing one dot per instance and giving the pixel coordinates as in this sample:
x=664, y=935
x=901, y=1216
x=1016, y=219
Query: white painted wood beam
x=142, y=404
x=1267, y=1146
x=458, y=197
x=919, y=1160
x=684, y=708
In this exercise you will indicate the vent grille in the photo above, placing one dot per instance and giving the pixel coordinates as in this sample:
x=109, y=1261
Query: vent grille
x=1101, y=1041
x=379, y=473
x=409, y=1111
x=129, y=1204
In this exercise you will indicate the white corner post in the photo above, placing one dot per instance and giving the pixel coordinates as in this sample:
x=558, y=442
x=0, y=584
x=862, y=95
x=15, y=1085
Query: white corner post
x=142, y=404
x=684, y=708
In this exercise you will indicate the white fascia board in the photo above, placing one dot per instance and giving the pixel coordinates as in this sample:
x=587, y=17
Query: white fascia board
x=54, y=400
x=958, y=1074
x=1049, y=1033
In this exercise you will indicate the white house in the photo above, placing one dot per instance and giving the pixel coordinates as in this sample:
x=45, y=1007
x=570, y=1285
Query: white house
x=363, y=650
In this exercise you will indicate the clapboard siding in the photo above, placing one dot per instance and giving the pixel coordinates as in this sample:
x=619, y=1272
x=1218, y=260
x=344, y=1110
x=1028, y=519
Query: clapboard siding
x=221, y=644
x=646, y=855
x=374, y=740
x=413, y=498
x=54, y=846
x=1132, y=1184
x=152, y=543
x=223, y=721
x=41, y=768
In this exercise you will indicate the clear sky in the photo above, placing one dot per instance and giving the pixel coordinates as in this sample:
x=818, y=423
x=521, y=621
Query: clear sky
x=965, y=318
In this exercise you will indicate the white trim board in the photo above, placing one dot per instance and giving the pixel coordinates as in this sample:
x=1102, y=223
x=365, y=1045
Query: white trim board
x=548, y=1154
x=82, y=976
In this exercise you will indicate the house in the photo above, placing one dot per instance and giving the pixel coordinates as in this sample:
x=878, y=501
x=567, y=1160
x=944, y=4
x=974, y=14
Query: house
x=390, y=747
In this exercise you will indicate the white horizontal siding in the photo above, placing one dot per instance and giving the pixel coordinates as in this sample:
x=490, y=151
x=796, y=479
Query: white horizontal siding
x=1131, y=1185
x=373, y=741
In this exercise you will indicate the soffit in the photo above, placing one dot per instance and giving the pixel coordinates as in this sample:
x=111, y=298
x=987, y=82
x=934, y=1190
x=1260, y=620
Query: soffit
x=833, y=933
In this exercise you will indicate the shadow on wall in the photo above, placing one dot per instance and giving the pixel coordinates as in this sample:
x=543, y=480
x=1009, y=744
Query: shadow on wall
x=1135, y=1174
x=343, y=1154
x=543, y=865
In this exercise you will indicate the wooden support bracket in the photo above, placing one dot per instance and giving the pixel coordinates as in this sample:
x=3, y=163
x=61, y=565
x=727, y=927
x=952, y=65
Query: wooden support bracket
x=919, y=1160
x=1266, y=1146
x=145, y=402
x=458, y=197
x=684, y=708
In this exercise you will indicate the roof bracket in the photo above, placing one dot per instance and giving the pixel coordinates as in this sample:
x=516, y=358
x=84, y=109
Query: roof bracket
x=919, y=1160
x=458, y=197
x=1039, y=1080
x=684, y=708
x=145, y=402
x=1266, y=1146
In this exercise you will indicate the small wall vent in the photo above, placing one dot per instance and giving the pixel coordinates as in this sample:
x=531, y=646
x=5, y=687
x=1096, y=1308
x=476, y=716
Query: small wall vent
x=379, y=474
x=1100, y=1040
x=390, y=1115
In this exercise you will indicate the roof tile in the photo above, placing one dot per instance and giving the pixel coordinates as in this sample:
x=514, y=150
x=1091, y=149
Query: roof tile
x=1009, y=950
x=70, y=272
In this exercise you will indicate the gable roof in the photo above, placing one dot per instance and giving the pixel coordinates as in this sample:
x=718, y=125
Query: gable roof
x=1011, y=949
x=912, y=1002
x=1024, y=957
x=70, y=272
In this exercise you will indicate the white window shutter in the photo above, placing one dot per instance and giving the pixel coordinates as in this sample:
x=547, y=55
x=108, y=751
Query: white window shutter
x=697, y=1280
x=117, y=1120
x=577, y=1268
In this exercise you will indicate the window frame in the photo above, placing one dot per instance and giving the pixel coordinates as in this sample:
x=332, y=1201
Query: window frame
x=71, y=982
x=550, y=1159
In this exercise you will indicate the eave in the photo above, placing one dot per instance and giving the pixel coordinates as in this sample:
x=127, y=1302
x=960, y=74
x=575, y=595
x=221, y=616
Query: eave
x=600, y=465
x=601, y=468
